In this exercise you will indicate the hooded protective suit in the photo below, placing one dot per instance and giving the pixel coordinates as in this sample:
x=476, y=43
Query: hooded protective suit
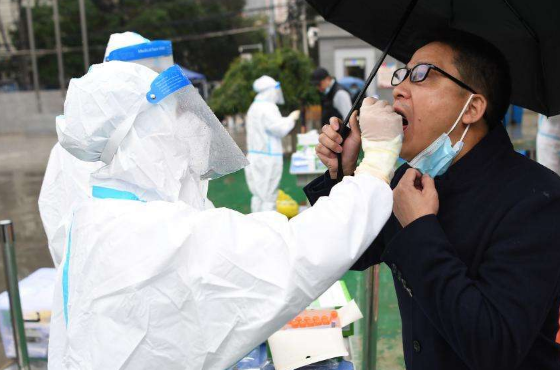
x=152, y=282
x=66, y=180
x=548, y=142
x=265, y=129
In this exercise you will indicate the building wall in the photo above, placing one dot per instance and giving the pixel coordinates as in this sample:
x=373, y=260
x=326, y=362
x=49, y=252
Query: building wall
x=20, y=114
x=252, y=4
x=334, y=42
x=332, y=38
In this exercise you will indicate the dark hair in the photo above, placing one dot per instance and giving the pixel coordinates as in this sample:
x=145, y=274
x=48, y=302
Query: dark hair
x=481, y=66
x=319, y=75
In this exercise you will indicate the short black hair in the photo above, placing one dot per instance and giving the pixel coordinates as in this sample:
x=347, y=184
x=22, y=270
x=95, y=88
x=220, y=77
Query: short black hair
x=482, y=66
x=319, y=75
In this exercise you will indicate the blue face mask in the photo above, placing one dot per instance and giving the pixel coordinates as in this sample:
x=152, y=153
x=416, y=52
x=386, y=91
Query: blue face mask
x=436, y=158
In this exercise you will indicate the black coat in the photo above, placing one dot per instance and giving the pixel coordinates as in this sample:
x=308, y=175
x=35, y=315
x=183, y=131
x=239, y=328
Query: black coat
x=328, y=109
x=478, y=284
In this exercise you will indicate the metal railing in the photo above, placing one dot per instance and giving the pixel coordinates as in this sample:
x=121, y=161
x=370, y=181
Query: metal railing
x=7, y=237
x=369, y=345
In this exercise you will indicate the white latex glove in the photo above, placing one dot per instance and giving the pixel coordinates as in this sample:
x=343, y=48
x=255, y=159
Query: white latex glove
x=294, y=115
x=381, y=139
x=378, y=120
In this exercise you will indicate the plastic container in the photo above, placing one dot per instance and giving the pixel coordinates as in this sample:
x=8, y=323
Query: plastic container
x=314, y=319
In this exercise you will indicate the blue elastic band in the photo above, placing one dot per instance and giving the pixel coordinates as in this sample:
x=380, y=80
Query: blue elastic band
x=168, y=81
x=65, y=276
x=265, y=153
x=109, y=193
x=141, y=51
x=101, y=193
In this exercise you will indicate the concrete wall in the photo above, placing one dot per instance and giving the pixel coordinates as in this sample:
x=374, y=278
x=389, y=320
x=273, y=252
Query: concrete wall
x=333, y=40
x=19, y=113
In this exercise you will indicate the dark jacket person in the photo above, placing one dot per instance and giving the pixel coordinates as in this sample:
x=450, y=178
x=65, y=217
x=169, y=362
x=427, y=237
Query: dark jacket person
x=335, y=100
x=475, y=252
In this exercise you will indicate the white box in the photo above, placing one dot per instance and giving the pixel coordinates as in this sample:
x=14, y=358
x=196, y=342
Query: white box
x=305, y=160
x=295, y=348
x=36, y=293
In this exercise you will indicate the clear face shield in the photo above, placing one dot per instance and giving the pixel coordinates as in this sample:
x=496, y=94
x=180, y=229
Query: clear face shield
x=211, y=152
x=279, y=96
x=272, y=94
x=156, y=55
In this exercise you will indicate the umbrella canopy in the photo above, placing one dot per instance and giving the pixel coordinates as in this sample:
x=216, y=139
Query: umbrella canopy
x=527, y=33
x=192, y=75
x=349, y=81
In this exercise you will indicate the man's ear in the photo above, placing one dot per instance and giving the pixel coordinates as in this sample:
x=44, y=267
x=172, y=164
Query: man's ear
x=476, y=109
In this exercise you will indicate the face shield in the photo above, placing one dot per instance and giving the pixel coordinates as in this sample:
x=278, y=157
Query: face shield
x=279, y=96
x=156, y=135
x=156, y=55
x=268, y=90
x=211, y=152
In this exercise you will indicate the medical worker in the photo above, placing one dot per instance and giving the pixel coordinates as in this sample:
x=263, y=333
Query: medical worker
x=149, y=278
x=548, y=142
x=66, y=180
x=265, y=129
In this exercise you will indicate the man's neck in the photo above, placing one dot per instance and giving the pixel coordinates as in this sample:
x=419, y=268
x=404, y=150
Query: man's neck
x=328, y=89
x=476, y=133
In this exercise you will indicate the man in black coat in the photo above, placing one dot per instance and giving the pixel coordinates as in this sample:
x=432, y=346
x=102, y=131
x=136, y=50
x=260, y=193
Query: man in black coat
x=335, y=100
x=474, y=251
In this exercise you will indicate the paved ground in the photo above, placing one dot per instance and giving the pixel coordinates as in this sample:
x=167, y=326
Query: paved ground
x=22, y=164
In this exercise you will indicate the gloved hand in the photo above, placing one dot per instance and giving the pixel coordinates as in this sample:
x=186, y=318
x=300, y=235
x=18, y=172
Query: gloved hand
x=378, y=120
x=381, y=139
x=294, y=115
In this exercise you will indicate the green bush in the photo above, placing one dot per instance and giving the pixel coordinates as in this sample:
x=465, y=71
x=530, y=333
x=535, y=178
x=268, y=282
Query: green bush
x=292, y=68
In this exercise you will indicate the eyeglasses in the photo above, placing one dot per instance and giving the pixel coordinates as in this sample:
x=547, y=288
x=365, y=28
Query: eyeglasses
x=420, y=72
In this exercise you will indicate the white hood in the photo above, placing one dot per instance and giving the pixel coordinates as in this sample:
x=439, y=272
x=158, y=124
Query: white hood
x=268, y=90
x=122, y=40
x=152, y=150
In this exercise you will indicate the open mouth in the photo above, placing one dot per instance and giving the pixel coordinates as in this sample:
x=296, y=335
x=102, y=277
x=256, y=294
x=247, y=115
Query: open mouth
x=404, y=121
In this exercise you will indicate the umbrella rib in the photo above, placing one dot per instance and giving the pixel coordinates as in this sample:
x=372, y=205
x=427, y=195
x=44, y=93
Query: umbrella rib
x=344, y=130
x=527, y=27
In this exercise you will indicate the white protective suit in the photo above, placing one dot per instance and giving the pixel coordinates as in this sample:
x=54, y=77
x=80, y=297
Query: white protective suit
x=265, y=129
x=152, y=282
x=66, y=180
x=548, y=142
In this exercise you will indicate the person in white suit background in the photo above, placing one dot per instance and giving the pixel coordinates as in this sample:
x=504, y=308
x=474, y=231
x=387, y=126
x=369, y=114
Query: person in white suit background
x=265, y=129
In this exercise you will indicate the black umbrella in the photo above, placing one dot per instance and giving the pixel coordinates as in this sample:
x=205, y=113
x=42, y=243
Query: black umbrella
x=526, y=31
